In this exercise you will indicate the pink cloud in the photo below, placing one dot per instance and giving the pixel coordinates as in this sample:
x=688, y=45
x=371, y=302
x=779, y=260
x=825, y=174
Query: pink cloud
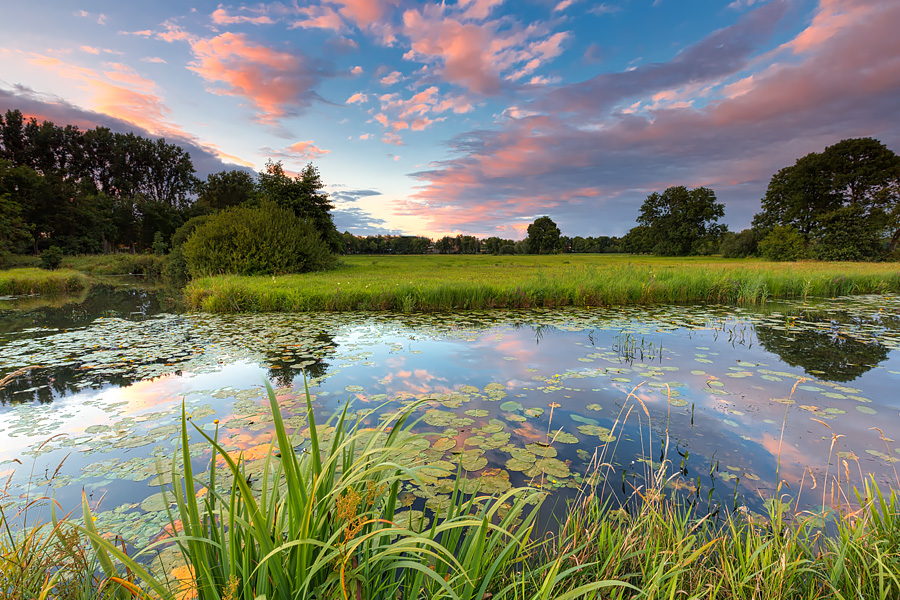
x=363, y=13
x=477, y=55
x=300, y=150
x=357, y=98
x=595, y=165
x=277, y=82
x=357, y=70
x=221, y=17
x=319, y=17
x=391, y=78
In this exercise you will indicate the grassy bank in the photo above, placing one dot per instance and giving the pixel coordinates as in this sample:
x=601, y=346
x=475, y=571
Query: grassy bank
x=19, y=282
x=437, y=282
x=329, y=521
x=100, y=264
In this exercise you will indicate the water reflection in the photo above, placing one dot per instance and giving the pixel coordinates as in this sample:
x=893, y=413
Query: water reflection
x=823, y=346
x=733, y=400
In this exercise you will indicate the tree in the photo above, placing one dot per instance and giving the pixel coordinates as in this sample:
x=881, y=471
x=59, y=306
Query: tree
x=681, y=221
x=225, y=189
x=543, y=236
x=303, y=195
x=13, y=228
x=813, y=192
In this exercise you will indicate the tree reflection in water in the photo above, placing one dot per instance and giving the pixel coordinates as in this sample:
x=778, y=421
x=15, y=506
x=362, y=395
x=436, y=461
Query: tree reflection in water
x=825, y=350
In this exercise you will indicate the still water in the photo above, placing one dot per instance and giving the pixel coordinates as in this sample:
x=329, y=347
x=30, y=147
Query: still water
x=731, y=401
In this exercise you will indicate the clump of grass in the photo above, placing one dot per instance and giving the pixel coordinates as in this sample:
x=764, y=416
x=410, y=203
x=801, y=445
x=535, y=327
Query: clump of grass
x=438, y=283
x=19, y=282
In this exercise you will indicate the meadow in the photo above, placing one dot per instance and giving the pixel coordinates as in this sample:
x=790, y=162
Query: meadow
x=460, y=282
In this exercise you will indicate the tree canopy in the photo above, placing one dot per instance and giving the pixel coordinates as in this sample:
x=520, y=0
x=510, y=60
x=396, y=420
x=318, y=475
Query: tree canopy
x=679, y=222
x=843, y=201
x=543, y=236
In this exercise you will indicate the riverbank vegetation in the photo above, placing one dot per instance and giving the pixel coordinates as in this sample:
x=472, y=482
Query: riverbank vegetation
x=27, y=281
x=329, y=520
x=436, y=283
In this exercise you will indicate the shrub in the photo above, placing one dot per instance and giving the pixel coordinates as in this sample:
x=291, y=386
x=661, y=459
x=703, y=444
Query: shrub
x=507, y=249
x=847, y=234
x=739, y=245
x=159, y=244
x=176, y=270
x=51, y=258
x=256, y=241
x=782, y=243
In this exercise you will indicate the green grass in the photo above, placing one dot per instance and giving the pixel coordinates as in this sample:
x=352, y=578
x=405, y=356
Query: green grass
x=324, y=523
x=18, y=282
x=440, y=282
x=150, y=265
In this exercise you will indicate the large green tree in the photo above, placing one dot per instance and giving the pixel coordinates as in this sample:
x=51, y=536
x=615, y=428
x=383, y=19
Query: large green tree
x=543, y=236
x=850, y=185
x=680, y=221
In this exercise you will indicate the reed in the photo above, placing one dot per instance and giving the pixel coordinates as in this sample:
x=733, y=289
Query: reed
x=441, y=283
x=20, y=282
x=324, y=523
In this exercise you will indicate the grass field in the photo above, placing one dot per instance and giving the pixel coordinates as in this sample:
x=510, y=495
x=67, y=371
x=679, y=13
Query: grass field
x=23, y=281
x=100, y=264
x=442, y=282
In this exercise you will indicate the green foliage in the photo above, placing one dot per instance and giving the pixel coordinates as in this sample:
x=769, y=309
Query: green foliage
x=159, y=244
x=811, y=196
x=782, y=243
x=739, y=245
x=176, y=270
x=846, y=234
x=256, y=241
x=680, y=222
x=13, y=228
x=226, y=189
x=543, y=236
x=303, y=196
x=51, y=258
x=507, y=249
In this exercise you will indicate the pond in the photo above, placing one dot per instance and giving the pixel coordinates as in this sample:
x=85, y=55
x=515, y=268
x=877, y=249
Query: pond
x=731, y=400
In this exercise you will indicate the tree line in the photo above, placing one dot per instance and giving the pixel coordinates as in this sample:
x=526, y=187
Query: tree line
x=93, y=191
x=839, y=204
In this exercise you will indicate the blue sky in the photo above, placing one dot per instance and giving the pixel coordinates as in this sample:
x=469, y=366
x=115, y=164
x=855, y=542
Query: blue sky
x=478, y=116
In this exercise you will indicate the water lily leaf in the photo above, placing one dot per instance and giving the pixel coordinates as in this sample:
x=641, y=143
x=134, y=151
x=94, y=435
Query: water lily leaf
x=511, y=406
x=562, y=437
x=477, y=412
x=539, y=449
x=535, y=411
x=582, y=419
x=594, y=407
x=444, y=444
x=865, y=409
x=601, y=432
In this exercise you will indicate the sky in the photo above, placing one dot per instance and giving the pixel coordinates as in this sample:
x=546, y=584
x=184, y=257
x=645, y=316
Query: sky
x=474, y=116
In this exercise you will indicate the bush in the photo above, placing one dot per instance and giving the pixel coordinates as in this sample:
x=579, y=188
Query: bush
x=739, y=245
x=176, y=270
x=159, y=244
x=847, y=234
x=782, y=243
x=51, y=258
x=256, y=241
x=507, y=249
